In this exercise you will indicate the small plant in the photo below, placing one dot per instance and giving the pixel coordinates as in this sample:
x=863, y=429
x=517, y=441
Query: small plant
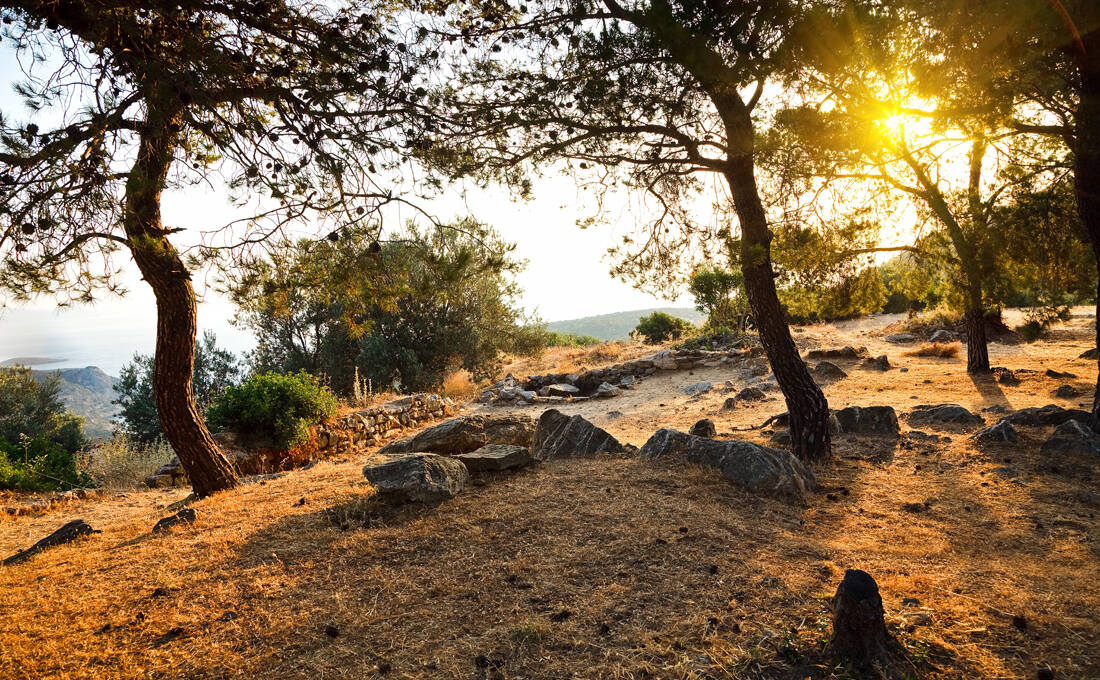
x=1032, y=330
x=38, y=464
x=944, y=351
x=273, y=408
x=659, y=327
x=459, y=386
x=529, y=633
x=123, y=462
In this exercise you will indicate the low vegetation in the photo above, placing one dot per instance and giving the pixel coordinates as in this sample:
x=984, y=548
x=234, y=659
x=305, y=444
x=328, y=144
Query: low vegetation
x=936, y=349
x=659, y=327
x=274, y=409
x=39, y=437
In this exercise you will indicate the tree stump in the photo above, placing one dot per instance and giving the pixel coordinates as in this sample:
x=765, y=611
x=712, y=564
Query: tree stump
x=859, y=627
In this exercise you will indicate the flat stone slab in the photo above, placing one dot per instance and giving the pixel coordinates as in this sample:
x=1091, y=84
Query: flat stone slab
x=467, y=433
x=868, y=420
x=417, y=478
x=943, y=414
x=1051, y=414
x=560, y=435
x=496, y=457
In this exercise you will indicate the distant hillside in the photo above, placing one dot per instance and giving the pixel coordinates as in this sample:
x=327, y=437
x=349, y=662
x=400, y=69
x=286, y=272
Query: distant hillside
x=617, y=326
x=29, y=361
x=87, y=392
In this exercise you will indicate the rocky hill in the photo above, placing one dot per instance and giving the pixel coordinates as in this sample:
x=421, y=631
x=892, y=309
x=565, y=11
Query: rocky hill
x=88, y=393
x=617, y=326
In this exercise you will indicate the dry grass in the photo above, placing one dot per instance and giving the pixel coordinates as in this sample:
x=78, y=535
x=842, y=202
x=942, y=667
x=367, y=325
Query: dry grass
x=610, y=567
x=459, y=386
x=936, y=349
x=122, y=463
x=577, y=359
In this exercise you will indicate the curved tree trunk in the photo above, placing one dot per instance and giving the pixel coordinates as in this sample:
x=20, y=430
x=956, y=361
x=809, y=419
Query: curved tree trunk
x=1086, y=169
x=164, y=271
x=808, y=408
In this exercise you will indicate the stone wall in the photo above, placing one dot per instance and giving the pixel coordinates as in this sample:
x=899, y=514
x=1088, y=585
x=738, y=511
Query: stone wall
x=347, y=434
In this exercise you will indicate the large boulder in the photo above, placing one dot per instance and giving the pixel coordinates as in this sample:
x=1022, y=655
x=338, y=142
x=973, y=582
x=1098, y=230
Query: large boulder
x=496, y=457
x=1001, y=432
x=560, y=435
x=1074, y=438
x=868, y=420
x=827, y=370
x=417, y=478
x=943, y=414
x=754, y=467
x=467, y=433
x=848, y=352
x=1051, y=414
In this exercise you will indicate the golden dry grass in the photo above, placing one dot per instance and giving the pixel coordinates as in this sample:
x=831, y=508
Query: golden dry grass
x=936, y=349
x=459, y=386
x=609, y=567
x=578, y=359
x=121, y=462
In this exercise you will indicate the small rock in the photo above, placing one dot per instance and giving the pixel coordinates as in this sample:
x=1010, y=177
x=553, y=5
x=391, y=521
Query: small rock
x=1001, y=432
x=563, y=390
x=910, y=602
x=868, y=420
x=781, y=437
x=1047, y=673
x=943, y=414
x=827, y=370
x=697, y=389
x=750, y=394
x=228, y=616
x=331, y=629
x=942, y=335
x=185, y=516
x=1051, y=414
x=1072, y=437
x=171, y=635
x=841, y=353
x=703, y=428
x=1066, y=392
x=900, y=338
x=1058, y=375
x=607, y=390
x=879, y=363
x=729, y=404
x=418, y=478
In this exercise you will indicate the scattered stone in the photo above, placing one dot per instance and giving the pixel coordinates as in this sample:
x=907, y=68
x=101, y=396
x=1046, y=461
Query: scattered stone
x=868, y=420
x=563, y=390
x=910, y=602
x=996, y=408
x=942, y=335
x=848, y=352
x=171, y=635
x=1007, y=377
x=879, y=363
x=1006, y=471
x=943, y=414
x=560, y=435
x=1066, y=392
x=417, y=477
x=628, y=382
x=754, y=467
x=467, y=433
x=704, y=428
x=229, y=615
x=614, y=414
x=66, y=534
x=496, y=457
x=1051, y=414
x=901, y=338
x=729, y=404
x=697, y=389
x=1073, y=437
x=1002, y=432
x=331, y=629
x=750, y=394
x=607, y=390
x=1058, y=375
x=185, y=516
x=1092, y=354
x=781, y=437
x=827, y=370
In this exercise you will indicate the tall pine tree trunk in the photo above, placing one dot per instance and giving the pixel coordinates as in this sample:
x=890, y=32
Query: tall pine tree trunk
x=164, y=271
x=1086, y=170
x=977, y=345
x=806, y=404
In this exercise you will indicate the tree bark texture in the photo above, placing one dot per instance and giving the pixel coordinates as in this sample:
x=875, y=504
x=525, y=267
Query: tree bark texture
x=164, y=271
x=1086, y=169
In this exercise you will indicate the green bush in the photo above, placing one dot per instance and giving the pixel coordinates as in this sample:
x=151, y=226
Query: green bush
x=38, y=464
x=39, y=438
x=659, y=327
x=273, y=408
x=558, y=339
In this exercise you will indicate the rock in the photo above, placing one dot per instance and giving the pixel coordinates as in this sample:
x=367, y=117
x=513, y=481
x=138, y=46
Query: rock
x=868, y=420
x=943, y=414
x=563, y=390
x=1058, y=375
x=628, y=382
x=467, y=433
x=1051, y=414
x=1001, y=432
x=185, y=516
x=66, y=534
x=1007, y=377
x=729, y=404
x=942, y=335
x=527, y=395
x=879, y=363
x=754, y=467
x=750, y=394
x=607, y=390
x=827, y=370
x=1066, y=392
x=859, y=625
x=1090, y=354
x=417, y=477
x=560, y=435
x=781, y=437
x=848, y=352
x=698, y=389
x=1074, y=438
x=703, y=428
x=496, y=457
x=900, y=338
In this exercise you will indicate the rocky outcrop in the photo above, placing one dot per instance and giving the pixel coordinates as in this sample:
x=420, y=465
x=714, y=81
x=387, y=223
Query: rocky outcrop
x=704, y=428
x=943, y=414
x=467, y=433
x=1001, y=432
x=496, y=457
x=558, y=435
x=417, y=478
x=1073, y=438
x=848, y=352
x=879, y=420
x=757, y=468
x=1041, y=416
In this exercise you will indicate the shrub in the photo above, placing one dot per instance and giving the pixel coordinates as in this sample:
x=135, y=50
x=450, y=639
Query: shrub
x=39, y=438
x=1032, y=330
x=123, y=462
x=273, y=408
x=945, y=351
x=38, y=464
x=558, y=339
x=659, y=327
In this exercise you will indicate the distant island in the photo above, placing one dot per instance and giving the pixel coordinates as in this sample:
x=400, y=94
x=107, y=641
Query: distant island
x=31, y=361
x=617, y=325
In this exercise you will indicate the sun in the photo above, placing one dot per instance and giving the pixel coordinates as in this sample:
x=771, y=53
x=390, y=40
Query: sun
x=893, y=126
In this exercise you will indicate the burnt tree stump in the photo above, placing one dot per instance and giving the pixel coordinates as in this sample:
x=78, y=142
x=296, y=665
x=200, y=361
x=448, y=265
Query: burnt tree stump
x=859, y=627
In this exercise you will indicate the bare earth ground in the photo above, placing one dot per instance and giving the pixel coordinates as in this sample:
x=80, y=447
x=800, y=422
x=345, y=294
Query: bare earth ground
x=608, y=567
